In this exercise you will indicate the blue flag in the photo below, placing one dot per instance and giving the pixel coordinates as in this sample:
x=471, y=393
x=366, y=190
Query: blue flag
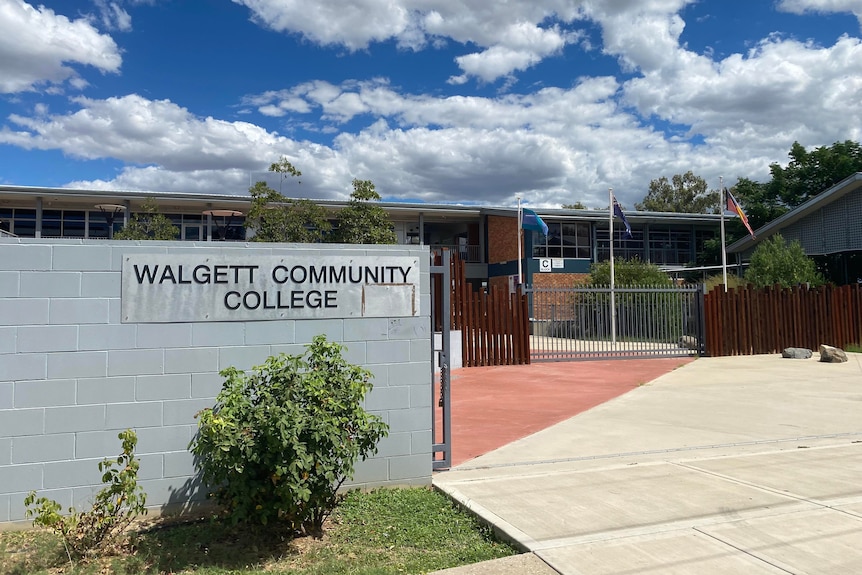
x=618, y=212
x=530, y=220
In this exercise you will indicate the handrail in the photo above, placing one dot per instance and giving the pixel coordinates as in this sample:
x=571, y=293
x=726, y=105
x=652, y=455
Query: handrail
x=470, y=253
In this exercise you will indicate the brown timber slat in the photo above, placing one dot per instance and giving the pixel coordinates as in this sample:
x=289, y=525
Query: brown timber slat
x=747, y=320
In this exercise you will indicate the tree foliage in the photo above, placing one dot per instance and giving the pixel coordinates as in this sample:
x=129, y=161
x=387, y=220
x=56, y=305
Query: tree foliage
x=776, y=262
x=148, y=224
x=282, y=439
x=633, y=272
x=277, y=218
x=363, y=222
x=807, y=174
x=684, y=193
x=285, y=169
x=575, y=206
x=810, y=173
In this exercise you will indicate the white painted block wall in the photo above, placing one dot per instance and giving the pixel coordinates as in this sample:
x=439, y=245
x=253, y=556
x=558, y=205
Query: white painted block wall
x=72, y=375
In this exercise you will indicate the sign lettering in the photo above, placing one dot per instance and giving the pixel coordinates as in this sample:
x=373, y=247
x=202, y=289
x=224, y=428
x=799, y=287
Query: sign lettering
x=163, y=288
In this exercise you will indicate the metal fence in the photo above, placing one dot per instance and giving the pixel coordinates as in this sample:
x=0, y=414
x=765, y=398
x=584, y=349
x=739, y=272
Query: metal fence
x=578, y=323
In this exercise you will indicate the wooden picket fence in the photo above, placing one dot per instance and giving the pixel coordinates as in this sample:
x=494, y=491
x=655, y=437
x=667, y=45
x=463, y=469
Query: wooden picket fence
x=494, y=324
x=748, y=321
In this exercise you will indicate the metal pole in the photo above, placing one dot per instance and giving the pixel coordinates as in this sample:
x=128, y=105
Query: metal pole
x=611, y=242
x=722, y=203
x=520, y=233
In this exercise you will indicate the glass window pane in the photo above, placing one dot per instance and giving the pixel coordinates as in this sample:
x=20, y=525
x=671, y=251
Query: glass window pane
x=6, y=220
x=73, y=224
x=191, y=232
x=98, y=227
x=24, y=223
x=554, y=234
x=540, y=247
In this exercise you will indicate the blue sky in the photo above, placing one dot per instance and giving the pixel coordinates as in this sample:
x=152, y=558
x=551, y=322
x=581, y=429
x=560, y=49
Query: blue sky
x=464, y=101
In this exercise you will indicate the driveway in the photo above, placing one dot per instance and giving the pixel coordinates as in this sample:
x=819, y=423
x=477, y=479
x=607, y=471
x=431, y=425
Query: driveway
x=726, y=465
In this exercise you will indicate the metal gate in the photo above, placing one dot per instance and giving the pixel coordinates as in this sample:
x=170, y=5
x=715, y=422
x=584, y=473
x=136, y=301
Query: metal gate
x=441, y=423
x=624, y=323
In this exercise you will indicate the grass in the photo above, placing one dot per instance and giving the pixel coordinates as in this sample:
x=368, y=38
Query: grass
x=387, y=531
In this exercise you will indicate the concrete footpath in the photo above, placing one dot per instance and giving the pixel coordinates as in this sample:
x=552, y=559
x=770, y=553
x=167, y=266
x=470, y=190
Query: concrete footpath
x=749, y=465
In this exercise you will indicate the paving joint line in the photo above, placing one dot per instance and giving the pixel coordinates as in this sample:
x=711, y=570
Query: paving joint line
x=656, y=451
x=773, y=490
x=749, y=553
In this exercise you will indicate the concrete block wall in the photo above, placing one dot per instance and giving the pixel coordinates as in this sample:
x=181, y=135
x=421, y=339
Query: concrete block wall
x=72, y=376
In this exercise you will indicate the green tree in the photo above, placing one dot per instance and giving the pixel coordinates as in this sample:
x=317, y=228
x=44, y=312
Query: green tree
x=276, y=218
x=633, y=272
x=684, y=193
x=806, y=175
x=810, y=173
x=363, y=222
x=148, y=224
x=285, y=169
x=776, y=262
x=759, y=204
x=575, y=206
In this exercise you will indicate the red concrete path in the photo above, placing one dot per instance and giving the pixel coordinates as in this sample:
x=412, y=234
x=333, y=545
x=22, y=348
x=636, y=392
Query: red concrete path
x=493, y=406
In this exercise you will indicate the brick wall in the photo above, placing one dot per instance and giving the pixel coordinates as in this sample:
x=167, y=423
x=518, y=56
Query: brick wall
x=501, y=282
x=502, y=239
x=558, y=280
x=555, y=305
x=72, y=375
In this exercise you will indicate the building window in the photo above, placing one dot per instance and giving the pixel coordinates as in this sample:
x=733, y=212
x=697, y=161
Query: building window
x=700, y=239
x=74, y=224
x=24, y=223
x=63, y=224
x=627, y=249
x=564, y=240
x=6, y=220
x=669, y=247
x=52, y=223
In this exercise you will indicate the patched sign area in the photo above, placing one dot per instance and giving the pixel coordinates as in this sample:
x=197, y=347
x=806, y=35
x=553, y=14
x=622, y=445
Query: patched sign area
x=161, y=288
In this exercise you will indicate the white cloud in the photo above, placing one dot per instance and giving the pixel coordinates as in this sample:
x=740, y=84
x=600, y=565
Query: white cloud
x=488, y=150
x=524, y=46
x=140, y=131
x=353, y=24
x=729, y=117
x=801, y=91
x=113, y=16
x=822, y=6
x=513, y=35
x=36, y=46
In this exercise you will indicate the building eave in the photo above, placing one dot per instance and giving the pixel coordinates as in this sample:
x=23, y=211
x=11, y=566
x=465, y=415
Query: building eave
x=842, y=188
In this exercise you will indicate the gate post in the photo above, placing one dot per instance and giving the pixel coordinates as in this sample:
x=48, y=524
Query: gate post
x=442, y=355
x=700, y=308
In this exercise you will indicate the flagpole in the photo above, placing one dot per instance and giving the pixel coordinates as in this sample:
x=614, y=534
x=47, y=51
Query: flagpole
x=520, y=234
x=611, y=238
x=722, y=201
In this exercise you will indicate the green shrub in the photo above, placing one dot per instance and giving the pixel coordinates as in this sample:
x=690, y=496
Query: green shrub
x=775, y=261
x=640, y=315
x=717, y=280
x=280, y=441
x=116, y=505
x=629, y=273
